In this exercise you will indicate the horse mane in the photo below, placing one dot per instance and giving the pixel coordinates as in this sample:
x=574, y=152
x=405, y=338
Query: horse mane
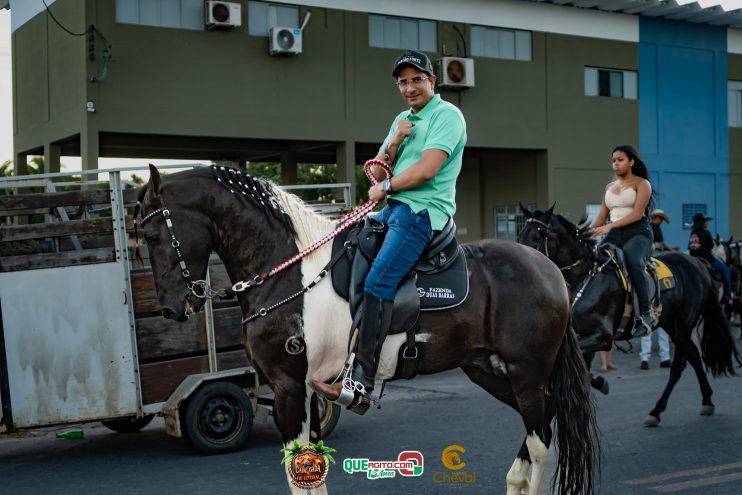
x=305, y=225
x=309, y=226
x=580, y=230
x=288, y=209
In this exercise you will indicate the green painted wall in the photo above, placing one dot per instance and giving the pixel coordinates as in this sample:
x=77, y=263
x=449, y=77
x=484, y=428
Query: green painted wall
x=225, y=84
x=583, y=130
x=49, y=77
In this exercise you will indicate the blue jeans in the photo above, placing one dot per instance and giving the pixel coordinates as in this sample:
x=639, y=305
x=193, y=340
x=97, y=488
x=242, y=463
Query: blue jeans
x=407, y=237
x=726, y=277
x=636, y=241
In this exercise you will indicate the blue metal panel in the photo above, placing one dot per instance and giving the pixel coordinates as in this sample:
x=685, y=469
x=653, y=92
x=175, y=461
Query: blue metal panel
x=683, y=118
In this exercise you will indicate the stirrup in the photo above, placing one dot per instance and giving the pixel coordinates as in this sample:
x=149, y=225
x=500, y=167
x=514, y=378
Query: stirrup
x=353, y=396
x=642, y=328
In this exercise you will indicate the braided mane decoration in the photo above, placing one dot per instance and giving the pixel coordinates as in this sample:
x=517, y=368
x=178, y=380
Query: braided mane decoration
x=258, y=191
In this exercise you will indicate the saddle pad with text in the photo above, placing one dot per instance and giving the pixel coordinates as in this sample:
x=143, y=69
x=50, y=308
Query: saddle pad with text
x=664, y=275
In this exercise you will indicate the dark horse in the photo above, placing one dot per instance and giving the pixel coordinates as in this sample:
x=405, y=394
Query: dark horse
x=723, y=251
x=691, y=312
x=512, y=336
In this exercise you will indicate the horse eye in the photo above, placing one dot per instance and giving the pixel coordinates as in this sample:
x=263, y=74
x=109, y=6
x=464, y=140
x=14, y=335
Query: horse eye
x=152, y=240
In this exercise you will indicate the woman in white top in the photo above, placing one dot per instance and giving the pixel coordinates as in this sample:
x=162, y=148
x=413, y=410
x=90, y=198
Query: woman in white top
x=627, y=201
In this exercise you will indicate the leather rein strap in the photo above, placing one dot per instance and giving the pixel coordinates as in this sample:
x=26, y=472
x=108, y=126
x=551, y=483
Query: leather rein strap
x=348, y=220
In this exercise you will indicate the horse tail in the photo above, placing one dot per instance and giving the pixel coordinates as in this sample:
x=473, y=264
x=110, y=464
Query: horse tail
x=717, y=343
x=576, y=429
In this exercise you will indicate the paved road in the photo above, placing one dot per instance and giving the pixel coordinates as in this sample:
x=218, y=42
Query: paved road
x=688, y=455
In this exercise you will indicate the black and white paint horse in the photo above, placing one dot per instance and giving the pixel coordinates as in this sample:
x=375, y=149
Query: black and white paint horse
x=512, y=336
x=691, y=312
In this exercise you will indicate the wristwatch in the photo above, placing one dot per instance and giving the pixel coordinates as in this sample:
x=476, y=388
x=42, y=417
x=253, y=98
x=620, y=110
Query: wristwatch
x=387, y=186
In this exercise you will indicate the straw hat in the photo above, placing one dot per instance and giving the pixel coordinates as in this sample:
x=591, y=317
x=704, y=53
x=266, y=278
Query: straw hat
x=661, y=214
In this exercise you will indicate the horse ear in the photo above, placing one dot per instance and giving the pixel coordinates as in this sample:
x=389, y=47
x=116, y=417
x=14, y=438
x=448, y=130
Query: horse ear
x=731, y=237
x=526, y=212
x=154, y=179
x=548, y=213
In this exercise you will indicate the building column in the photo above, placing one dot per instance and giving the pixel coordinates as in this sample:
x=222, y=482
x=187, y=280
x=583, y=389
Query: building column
x=288, y=167
x=20, y=164
x=52, y=154
x=346, y=171
x=89, y=149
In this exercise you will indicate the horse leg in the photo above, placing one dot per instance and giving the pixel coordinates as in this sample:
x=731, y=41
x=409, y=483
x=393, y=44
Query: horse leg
x=597, y=382
x=296, y=414
x=534, y=452
x=676, y=370
x=694, y=358
x=517, y=477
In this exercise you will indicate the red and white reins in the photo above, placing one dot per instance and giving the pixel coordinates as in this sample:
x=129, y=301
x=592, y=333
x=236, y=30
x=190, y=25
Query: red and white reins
x=350, y=219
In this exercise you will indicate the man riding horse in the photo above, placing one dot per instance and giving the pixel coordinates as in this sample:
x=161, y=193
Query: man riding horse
x=700, y=245
x=424, y=146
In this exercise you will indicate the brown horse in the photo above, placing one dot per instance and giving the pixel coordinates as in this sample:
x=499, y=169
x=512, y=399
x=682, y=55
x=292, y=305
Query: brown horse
x=512, y=336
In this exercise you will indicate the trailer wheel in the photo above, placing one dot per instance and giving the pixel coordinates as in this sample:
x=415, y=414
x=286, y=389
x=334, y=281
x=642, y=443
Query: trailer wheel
x=218, y=418
x=127, y=425
x=329, y=415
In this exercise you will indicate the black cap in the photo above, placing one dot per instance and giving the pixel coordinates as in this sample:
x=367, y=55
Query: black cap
x=415, y=59
x=699, y=218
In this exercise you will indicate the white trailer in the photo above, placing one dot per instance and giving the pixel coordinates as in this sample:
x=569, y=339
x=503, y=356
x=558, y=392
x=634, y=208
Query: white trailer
x=80, y=335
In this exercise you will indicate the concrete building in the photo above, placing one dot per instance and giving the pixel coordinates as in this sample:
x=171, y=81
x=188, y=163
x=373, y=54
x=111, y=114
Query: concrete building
x=557, y=85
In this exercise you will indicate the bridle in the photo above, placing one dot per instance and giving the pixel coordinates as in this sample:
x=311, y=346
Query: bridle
x=201, y=288
x=543, y=229
x=197, y=288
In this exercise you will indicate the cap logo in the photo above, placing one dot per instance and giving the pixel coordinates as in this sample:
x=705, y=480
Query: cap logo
x=411, y=59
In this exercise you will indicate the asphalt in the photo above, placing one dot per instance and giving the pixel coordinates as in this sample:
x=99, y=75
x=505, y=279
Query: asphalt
x=688, y=454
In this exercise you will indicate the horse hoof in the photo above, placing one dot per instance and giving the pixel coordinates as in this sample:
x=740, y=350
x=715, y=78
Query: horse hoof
x=707, y=410
x=605, y=388
x=651, y=421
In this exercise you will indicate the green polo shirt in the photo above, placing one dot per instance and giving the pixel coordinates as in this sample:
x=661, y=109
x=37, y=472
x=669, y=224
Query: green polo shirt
x=439, y=125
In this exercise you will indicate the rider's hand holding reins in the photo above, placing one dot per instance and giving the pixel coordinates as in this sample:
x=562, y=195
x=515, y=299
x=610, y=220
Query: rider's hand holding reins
x=602, y=230
x=376, y=193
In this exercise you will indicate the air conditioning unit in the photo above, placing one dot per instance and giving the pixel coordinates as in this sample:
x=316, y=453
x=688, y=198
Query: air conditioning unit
x=222, y=14
x=455, y=72
x=284, y=40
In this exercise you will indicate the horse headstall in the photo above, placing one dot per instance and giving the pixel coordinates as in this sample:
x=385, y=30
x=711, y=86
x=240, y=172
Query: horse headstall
x=199, y=289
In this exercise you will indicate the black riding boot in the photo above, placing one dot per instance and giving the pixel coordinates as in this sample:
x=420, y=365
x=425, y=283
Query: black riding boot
x=377, y=317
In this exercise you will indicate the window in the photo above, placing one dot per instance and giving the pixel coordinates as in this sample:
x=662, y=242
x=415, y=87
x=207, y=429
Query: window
x=403, y=33
x=500, y=43
x=183, y=14
x=614, y=83
x=509, y=221
x=690, y=209
x=262, y=16
x=592, y=210
x=734, y=102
